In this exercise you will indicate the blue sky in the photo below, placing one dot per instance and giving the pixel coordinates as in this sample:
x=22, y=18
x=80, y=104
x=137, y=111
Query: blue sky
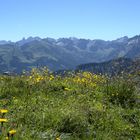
x=93, y=19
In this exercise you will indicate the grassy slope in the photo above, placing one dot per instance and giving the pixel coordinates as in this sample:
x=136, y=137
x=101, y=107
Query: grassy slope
x=82, y=106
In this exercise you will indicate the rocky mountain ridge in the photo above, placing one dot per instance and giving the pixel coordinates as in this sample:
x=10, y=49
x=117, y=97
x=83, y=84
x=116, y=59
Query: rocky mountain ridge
x=64, y=53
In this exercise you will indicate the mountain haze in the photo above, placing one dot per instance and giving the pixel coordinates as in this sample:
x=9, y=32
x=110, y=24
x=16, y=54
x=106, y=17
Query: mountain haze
x=63, y=53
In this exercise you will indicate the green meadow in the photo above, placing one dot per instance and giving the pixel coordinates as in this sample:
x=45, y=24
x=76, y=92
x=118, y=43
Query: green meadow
x=76, y=106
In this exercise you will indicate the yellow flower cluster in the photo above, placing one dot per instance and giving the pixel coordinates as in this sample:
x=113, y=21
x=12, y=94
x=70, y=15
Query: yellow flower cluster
x=37, y=76
x=4, y=120
x=88, y=79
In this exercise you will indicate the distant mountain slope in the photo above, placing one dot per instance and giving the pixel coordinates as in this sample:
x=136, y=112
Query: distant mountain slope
x=112, y=67
x=63, y=53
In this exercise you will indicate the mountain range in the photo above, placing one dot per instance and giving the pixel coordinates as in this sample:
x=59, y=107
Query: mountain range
x=112, y=67
x=64, y=53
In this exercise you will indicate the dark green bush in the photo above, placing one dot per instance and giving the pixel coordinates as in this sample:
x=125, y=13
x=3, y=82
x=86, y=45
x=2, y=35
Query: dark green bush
x=73, y=124
x=122, y=92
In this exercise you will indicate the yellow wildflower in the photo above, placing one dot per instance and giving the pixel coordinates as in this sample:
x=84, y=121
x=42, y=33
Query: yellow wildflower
x=67, y=89
x=37, y=80
x=95, y=77
x=78, y=80
x=57, y=138
x=83, y=80
x=3, y=111
x=51, y=77
x=30, y=77
x=3, y=120
x=12, y=132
